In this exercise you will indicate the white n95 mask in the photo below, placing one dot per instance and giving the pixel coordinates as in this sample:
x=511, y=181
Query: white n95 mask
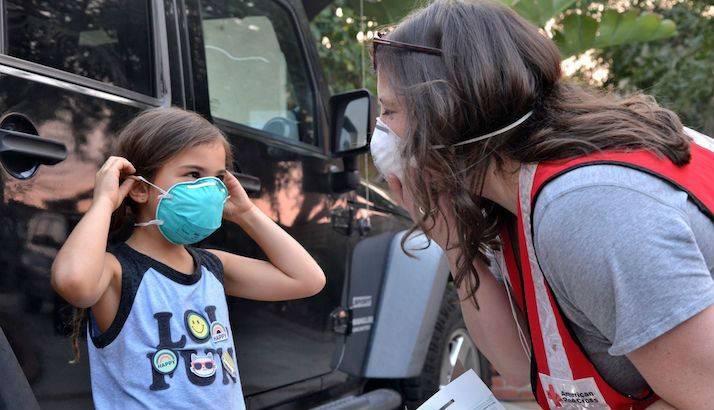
x=386, y=148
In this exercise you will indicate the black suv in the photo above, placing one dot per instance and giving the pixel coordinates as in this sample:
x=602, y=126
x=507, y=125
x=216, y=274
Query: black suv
x=73, y=72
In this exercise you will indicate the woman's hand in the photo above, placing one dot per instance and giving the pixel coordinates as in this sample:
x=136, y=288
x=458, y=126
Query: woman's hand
x=439, y=233
x=238, y=203
x=106, y=185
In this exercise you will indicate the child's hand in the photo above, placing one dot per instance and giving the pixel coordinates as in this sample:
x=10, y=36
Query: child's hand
x=106, y=185
x=239, y=202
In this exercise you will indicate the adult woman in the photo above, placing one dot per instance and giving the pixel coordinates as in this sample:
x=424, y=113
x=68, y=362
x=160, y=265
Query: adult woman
x=613, y=253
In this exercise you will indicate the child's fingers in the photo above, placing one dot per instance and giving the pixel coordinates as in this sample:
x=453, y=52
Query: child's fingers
x=124, y=166
x=234, y=186
x=230, y=179
x=231, y=182
x=121, y=165
x=125, y=187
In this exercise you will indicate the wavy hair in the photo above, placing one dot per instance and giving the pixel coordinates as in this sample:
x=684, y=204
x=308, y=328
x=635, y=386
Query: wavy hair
x=494, y=68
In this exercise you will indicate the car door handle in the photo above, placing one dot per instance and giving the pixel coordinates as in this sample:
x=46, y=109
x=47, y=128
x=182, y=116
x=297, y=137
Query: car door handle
x=40, y=150
x=250, y=183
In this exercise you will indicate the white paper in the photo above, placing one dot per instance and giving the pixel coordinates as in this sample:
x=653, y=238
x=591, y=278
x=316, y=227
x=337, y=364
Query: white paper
x=467, y=392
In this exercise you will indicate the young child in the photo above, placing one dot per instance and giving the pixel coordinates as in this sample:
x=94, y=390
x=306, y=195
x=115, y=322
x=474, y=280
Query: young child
x=158, y=333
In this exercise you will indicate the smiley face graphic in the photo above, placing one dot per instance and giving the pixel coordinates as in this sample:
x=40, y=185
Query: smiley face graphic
x=197, y=326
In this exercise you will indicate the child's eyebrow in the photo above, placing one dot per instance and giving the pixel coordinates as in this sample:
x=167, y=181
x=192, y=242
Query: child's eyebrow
x=196, y=167
x=200, y=169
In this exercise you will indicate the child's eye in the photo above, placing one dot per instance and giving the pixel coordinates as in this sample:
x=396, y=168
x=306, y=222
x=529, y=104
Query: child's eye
x=221, y=177
x=194, y=175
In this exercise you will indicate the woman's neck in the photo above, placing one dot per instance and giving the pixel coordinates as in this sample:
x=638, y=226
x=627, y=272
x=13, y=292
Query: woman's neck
x=501, y=184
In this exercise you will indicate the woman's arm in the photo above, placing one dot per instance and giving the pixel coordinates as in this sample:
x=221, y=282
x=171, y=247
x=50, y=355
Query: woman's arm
x=80, y=273
x=492, y=327
x=660, y=405
x=679, y=365
x=291, y=272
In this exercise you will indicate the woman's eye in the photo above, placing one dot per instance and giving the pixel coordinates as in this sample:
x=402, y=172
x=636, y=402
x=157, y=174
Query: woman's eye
x=387, y=113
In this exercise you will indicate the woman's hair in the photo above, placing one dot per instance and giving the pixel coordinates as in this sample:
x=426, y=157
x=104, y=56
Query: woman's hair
x=495, y=67
x=149, y=141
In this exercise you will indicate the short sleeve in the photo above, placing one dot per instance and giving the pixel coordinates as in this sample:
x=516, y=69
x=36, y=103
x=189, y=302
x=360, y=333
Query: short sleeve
x=622, y=262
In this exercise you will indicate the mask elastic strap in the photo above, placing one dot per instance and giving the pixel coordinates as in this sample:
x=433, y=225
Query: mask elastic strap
x=164, y=194
x=151, y=222
x=490, y=134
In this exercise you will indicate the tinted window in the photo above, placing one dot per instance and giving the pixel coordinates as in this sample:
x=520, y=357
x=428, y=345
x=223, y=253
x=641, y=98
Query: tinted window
x=105, y=40
x=257, y=73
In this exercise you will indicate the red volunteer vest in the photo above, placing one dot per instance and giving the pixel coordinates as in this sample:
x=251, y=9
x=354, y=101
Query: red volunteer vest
x=563, y=377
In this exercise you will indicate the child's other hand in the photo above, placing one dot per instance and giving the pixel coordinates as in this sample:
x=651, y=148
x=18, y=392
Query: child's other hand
x=106, y=185
x=239, y=202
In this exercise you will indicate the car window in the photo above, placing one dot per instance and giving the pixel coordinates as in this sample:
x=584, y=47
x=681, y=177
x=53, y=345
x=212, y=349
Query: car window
x=257, y=72
x=105, y=40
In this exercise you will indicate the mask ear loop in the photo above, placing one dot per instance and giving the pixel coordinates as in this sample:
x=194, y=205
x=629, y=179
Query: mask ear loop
x=164, y=194
x=490, y=134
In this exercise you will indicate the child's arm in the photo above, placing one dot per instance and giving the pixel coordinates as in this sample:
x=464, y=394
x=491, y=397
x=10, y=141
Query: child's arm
x=291, y=273
x=82, y=270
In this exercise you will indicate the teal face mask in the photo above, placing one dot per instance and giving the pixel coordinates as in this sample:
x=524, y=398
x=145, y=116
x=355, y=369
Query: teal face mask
x=189, y=211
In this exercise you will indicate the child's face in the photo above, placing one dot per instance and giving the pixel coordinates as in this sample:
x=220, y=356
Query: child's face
x=206, y=160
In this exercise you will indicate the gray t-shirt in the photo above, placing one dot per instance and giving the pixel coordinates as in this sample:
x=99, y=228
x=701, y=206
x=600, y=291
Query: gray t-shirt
x=628, y=257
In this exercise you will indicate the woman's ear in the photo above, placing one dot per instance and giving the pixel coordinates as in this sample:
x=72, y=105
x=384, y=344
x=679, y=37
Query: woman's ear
x=139, y=192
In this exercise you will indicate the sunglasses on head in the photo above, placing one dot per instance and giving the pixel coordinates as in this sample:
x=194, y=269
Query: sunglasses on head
x=380, y=40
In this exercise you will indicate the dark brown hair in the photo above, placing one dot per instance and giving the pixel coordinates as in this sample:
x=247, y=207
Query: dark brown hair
x=149, y=141
x=494, y=68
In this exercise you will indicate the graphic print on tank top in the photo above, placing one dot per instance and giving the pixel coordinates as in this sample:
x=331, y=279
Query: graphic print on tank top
x=201, y=363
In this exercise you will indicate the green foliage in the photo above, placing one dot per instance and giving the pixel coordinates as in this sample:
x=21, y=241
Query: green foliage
x=539, y=11
x=341, y=54
x=629, y=27
x=578, y=27
x=581, y=32
x=678, y=71
x=577, y=34
x=387, y=11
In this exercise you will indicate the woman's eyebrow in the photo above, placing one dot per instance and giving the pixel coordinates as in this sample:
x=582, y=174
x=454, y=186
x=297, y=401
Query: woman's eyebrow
x=386, y=102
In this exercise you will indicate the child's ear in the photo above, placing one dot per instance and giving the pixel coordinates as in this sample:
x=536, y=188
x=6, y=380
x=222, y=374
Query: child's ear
x=139, y=192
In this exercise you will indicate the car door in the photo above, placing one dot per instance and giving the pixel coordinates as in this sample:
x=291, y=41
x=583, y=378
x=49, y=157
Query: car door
x=71, y=73
x=253, y=75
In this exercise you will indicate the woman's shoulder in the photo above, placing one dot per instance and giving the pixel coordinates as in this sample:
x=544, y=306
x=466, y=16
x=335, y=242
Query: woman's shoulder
x=602, y=210
x=585, y=187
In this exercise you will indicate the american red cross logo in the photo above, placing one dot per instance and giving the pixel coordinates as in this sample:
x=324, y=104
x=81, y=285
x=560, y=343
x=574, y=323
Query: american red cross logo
x=554, y=397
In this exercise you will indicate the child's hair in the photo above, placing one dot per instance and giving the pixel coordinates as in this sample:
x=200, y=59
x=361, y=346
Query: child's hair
x=149, y=141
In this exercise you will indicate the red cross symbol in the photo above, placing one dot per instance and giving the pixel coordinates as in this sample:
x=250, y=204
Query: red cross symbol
x=554, y=397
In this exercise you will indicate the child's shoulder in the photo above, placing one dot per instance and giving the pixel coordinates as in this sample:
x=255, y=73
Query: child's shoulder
x=125, y=259
x=209, y=259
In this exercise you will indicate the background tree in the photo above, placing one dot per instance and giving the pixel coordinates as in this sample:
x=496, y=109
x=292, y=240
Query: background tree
x=678, y=71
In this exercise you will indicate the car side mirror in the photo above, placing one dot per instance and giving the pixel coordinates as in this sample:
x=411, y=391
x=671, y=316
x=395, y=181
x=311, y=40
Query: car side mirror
x=352, y=117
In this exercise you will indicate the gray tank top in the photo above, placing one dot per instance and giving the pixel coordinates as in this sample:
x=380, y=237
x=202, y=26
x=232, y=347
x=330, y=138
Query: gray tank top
x=170, y=345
